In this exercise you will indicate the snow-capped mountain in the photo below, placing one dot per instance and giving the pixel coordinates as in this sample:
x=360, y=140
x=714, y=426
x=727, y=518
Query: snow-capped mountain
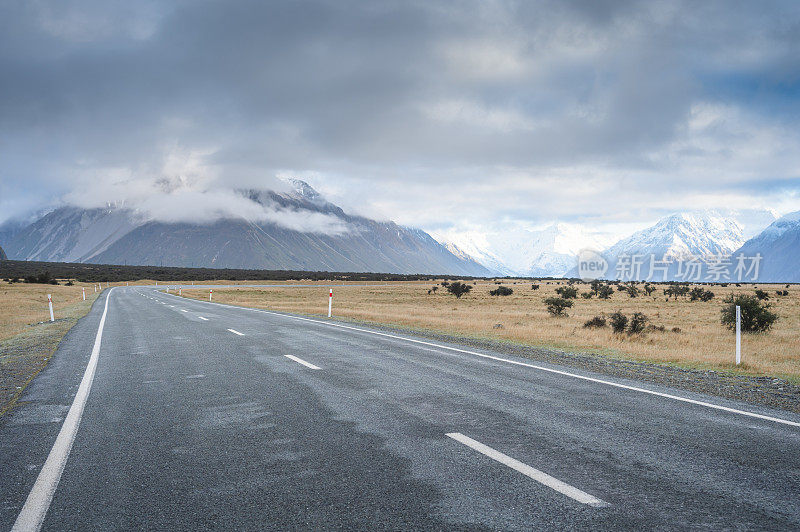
x=548, y=252
x=779, y=247
x=677, y=238
x=119, y=234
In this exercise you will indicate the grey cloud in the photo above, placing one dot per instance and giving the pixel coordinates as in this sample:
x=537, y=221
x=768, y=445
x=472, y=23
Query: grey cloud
x=394, y=96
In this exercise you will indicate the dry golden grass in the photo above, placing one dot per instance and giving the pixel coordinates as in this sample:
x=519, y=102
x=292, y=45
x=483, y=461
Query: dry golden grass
x=703, y=342
x=23, y=304
x=25, y=345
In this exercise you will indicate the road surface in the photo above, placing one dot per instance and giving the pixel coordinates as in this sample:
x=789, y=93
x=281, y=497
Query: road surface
x=201, y=415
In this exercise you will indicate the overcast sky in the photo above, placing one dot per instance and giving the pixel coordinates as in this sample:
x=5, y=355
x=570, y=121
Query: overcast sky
x=437, y=115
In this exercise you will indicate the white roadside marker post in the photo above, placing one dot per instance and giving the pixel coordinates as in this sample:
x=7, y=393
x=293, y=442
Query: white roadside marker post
x=210, y=291
x=95, y=289
x=738, y=335
x=50, y=304
x=330, y=302
x=180, y=291
x=84, y=293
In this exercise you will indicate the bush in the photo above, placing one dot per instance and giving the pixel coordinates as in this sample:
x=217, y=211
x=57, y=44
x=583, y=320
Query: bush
x=605, y=292
x=619, y=322
x=597, y=322
x=458, y=289
x=700, y=294
x=501, y=291
x=42, y=278
x=70, y=283
x=638, y=322
x=557, y=305
x=762, y=294
x=596, y=284
x=567, y=292
x=632, y=291
x=756, y=316
x=680, y=289
x=586, y=295
x=534, y=287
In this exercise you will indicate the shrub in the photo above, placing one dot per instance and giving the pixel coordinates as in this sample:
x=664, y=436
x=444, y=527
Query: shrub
x=567, y=292
x=501, y=291
x=637, y=324
x=534, y=287
x=702, y=295
x=676, y=329
x=762, y=294
x=595, y=323
x=619, y=322
x=596, y=284
x=756, y=316
x=70, y=283
x=681, y=289
x=458, y=289
x=605, y=292
x=42, y=278
x=557, y=305
x=649, y=289
x=586, y=295
x=632, y=291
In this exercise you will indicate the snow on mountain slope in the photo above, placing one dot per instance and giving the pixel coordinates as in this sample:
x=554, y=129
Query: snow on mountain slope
x=682, y=234
x=679, y=236
x=484, y=258
x=512, y=250
x=779, y=247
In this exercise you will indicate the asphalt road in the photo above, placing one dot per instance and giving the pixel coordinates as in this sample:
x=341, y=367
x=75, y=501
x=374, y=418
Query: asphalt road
x=206, y=416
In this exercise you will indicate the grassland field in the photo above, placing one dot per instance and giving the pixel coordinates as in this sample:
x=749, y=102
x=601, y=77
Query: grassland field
x=701, y=341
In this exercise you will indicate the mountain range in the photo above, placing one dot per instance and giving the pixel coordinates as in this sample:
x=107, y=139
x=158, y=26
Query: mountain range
x=518, y=251
x=700, y=245
x=118, y=234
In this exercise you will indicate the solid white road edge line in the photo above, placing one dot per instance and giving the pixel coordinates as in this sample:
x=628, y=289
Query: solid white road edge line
x=301, y=361
x=36, y=505
x=539, y=476
x=236, y=332
x=202, y=318
x=527, y=365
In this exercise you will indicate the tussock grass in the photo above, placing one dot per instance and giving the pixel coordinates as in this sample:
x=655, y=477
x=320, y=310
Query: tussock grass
x=702, y=343
x=23, y=304
x=26, y=345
